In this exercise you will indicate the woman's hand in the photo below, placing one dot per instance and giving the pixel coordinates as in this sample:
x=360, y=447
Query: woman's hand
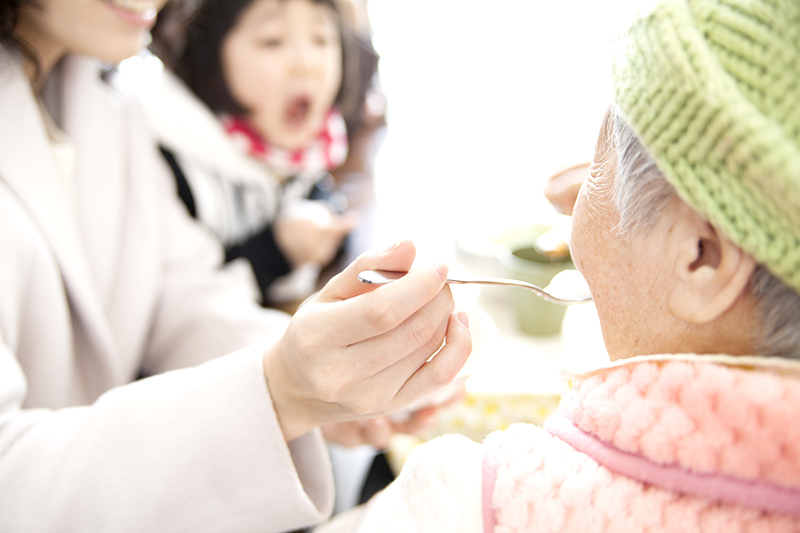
x=309, y=232
x=378, y=432
x=360, y=351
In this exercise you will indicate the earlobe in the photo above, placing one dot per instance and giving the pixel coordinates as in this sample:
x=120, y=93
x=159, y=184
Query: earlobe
x=711, y=273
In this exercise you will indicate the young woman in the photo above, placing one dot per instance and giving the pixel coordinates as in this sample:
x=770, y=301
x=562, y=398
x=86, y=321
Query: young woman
x=104, y=278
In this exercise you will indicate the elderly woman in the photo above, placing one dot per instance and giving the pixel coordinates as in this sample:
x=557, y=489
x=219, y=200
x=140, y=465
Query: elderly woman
x=687, y=232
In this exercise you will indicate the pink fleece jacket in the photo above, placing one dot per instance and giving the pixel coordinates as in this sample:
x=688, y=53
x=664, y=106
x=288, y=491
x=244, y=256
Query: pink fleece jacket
x=655, y=444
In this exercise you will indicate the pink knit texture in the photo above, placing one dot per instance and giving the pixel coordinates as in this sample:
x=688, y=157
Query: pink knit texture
x=762, y=495
x=491, y=456
x=705, y=417
x=702, y=419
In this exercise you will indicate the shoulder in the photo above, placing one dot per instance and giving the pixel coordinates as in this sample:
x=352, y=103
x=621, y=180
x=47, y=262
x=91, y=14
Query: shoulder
x=439, y=488
x=447, y=458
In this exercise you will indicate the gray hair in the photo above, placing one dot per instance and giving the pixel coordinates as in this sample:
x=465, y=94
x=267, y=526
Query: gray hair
x=642, y=194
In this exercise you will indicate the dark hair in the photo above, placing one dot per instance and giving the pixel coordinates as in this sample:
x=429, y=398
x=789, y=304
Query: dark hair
x=9, y=17
x=188, y=39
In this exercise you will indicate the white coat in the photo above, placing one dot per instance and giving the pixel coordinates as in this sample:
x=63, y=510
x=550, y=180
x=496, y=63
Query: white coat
x=105, y=277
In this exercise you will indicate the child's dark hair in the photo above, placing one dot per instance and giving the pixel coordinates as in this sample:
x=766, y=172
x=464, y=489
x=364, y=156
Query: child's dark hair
x=188, y=38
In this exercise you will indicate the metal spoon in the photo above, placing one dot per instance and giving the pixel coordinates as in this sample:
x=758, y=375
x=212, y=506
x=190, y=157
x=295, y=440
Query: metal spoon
x=567, y=287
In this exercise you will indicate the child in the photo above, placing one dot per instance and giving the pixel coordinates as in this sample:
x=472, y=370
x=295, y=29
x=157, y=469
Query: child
x=253, y=129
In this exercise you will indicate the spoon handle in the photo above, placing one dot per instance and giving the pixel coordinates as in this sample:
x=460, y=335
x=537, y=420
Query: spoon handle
x=380, y=277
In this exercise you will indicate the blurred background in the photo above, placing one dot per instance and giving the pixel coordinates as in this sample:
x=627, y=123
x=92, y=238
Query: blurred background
x=485, y=100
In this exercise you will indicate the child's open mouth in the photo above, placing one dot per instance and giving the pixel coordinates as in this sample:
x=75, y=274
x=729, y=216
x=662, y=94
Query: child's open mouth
x=297, y=110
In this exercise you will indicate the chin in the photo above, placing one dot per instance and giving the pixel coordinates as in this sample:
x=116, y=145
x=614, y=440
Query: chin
x=120, y=51
x=296, y=141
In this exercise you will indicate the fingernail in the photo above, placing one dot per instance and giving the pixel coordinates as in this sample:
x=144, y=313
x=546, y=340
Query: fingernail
x=463, y=318
x=441, y=270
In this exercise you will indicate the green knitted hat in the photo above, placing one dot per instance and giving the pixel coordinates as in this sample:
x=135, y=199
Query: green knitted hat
x=712, y=88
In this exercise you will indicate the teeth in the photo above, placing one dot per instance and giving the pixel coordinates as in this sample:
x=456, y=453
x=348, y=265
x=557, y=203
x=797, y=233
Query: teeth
x=136, y=6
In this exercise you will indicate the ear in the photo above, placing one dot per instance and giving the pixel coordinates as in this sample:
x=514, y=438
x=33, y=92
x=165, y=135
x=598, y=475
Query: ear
x=711, y=272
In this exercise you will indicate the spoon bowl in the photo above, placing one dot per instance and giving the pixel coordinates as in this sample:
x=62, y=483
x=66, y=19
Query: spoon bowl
x=566, y=288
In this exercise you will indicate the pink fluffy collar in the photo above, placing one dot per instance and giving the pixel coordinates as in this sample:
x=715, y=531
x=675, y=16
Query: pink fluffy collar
x=720, y=427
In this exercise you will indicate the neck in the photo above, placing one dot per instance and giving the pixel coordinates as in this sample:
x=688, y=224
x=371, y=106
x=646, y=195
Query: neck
x=45, y=55
x=732, y=333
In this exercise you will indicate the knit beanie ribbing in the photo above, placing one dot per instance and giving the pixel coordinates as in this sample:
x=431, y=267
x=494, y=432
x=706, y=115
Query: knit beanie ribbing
x=712, y=88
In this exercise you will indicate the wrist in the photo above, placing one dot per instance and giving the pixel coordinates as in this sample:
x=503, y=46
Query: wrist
x=293, y=417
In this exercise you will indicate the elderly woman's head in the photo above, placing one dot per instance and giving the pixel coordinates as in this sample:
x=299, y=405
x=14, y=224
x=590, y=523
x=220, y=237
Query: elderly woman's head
x=688, y=229
x=664, y=279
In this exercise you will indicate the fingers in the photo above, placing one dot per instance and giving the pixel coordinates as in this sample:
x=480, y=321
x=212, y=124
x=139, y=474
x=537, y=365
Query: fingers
x=356, y=433
x=379, y=310
x=345, y=285
x=444, y=367
x=413, y=343
x=378, y=432
x=390, y=305
x=398, y=318
x=419, y=422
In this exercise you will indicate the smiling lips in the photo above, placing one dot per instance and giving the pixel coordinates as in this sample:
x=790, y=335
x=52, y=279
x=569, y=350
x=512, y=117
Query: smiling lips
x=140, y=13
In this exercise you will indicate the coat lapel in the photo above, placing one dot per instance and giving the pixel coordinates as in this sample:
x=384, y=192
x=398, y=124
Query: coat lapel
x=27, y=167
x=90, y=117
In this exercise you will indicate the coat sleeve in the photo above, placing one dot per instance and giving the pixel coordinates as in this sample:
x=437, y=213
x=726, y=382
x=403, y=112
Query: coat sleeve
x=438, y=489
x=192, y=450
x=198, y=449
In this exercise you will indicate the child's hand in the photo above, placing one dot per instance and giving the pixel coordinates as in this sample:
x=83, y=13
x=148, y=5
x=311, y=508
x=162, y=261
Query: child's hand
x=357, y=351
x=309, y=232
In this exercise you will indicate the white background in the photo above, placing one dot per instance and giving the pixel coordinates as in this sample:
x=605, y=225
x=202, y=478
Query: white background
x=485, y=100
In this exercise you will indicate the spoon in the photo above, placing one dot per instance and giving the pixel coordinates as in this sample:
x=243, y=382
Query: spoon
x=567, y=287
